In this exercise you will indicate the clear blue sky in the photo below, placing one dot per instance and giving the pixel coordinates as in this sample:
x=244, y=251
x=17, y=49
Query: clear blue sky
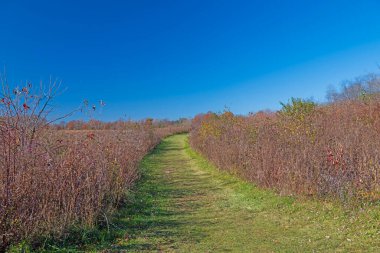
x=170, y=59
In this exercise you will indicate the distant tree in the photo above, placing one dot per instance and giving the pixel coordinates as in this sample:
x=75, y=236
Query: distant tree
x=355, y=89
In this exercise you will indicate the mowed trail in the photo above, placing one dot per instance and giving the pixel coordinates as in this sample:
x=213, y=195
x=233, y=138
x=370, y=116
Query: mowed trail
x=183, y=204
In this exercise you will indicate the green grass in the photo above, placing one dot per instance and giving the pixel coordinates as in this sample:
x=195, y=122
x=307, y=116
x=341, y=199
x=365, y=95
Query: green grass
x=184, y=204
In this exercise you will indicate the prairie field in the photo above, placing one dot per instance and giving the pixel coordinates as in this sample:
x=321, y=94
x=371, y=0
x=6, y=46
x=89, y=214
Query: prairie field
x=54, y=179
x=315, y=150
x=304, y=177
x=189, y=126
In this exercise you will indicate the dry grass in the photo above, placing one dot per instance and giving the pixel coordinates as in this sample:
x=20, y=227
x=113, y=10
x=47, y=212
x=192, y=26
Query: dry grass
x=51, y=180
x=324, y=150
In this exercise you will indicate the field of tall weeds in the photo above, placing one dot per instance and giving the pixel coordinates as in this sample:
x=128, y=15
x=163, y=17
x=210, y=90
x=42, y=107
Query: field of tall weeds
x=329, y=150
x=52, y=180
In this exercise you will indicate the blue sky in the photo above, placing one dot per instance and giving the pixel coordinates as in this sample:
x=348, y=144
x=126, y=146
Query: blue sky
x=170, y=59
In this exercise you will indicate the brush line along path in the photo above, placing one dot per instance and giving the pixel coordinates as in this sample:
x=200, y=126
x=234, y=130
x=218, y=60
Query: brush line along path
x=184, y=204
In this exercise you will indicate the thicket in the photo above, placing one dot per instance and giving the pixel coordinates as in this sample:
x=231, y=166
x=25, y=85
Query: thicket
x=329, y=150
x=52, y=180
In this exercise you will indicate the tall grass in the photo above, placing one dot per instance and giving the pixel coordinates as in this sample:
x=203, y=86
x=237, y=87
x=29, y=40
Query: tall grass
x=323, y=150
x=52, y=180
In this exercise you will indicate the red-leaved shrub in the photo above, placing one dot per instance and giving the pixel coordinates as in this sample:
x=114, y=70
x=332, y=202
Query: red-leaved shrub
x=53, y=179
x=325, y=150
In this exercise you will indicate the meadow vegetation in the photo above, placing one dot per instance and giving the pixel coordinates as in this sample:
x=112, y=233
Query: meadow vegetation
x=53, y=179
x=326, y=150
x=182, y=203
x=58, y=178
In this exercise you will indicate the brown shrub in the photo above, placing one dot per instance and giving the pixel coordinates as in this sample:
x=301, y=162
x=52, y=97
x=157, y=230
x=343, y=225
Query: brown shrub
x=330, y=150
x=53, y=179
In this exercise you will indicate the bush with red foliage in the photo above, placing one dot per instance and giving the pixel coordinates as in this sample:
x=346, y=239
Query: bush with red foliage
x=51, y=180
x=325, y=150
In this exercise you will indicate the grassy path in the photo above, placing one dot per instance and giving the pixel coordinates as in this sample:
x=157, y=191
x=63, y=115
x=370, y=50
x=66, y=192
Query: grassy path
x=183, y=204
